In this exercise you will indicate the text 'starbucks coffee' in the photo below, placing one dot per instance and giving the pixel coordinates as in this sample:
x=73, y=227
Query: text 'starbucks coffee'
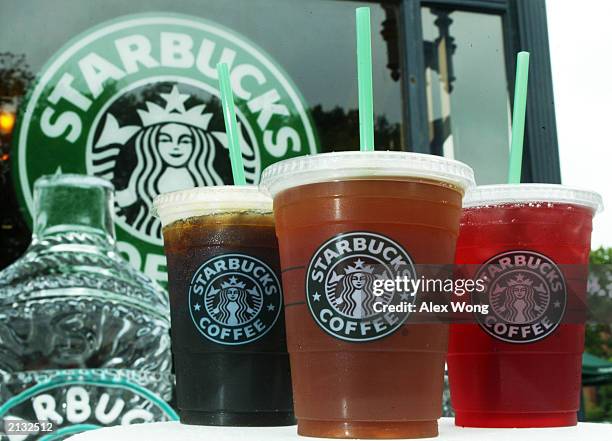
x=343, y=221
x=526, y=293
x=135, y=101
x=529, y=244
x=339, y=286
x=234, y=299
x=228, y=331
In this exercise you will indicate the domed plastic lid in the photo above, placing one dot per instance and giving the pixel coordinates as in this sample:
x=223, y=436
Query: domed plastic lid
x=484, y=195
x=201, y=201
x=326, y=167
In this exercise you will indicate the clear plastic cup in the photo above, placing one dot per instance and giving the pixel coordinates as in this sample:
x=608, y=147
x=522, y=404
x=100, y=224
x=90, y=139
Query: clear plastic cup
x=228, y=331
x=520, y=364
x=343, y=219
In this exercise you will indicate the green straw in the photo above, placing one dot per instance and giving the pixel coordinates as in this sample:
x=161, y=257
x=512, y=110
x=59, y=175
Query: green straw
x=364, y=78
x=231, y=127
x=518, y=118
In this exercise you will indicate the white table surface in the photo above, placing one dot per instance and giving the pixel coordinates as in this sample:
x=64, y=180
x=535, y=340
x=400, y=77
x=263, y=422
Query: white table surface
x=174, y=431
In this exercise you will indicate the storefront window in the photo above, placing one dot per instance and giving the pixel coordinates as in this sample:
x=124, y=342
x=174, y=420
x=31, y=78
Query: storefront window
x=467, y=93
x=292, y=32
x=100, y=77
x=117, y=84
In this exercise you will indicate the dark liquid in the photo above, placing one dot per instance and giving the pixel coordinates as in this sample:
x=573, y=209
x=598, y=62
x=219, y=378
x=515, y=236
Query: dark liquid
x=390, y=387
x=234, y=382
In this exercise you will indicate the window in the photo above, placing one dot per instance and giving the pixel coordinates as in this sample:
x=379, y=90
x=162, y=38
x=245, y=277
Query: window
x=442, y=75
x=467, y=94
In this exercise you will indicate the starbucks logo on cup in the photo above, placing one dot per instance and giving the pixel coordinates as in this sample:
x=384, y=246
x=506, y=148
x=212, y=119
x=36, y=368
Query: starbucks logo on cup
x=340, y=286
x=234, y=299
x=526, y=294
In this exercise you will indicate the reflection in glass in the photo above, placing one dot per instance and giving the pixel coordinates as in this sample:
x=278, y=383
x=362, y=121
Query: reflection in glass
x=467, y=92
x=15, y=78
x=311, y=41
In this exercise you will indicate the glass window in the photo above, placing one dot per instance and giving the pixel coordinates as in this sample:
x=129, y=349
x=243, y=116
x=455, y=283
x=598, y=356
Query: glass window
x=312, y=40
x=134, y=99
x=467, y=94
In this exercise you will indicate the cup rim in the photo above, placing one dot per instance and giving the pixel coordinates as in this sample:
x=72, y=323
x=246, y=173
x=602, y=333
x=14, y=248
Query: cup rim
x=202, y=201
x=501, y=194
x=335, y=166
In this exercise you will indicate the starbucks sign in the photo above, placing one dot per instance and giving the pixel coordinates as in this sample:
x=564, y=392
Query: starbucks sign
x=136, y=101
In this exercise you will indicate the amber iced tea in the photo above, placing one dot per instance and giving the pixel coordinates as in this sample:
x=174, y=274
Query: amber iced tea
x=358, y=373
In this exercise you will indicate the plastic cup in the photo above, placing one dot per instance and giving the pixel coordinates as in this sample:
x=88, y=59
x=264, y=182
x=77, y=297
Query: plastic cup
x=227, y=325
x=343, y=219
x=520, y=365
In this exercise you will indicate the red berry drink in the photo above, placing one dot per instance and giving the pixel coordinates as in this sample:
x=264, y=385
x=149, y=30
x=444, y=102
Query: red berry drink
x=519, y=365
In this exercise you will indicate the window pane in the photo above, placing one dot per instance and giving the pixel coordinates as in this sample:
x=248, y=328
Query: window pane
x=120, y=84
x=468, y=104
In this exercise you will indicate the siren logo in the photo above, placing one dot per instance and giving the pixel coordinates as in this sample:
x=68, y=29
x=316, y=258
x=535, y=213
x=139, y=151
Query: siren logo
x=136, y=101
x=340, y=285
x=172, y=148
x=527, y=296
x=234, y=299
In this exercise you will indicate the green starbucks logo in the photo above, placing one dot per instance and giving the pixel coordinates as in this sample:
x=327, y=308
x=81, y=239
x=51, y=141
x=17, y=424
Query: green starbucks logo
x=136, y=101
x=234, y=299
x=340, y=286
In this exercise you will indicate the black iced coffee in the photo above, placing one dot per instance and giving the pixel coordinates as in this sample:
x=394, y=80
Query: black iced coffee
x=228, y=331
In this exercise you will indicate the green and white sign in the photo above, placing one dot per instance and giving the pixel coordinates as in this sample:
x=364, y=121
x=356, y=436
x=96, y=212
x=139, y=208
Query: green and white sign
x=135, y=101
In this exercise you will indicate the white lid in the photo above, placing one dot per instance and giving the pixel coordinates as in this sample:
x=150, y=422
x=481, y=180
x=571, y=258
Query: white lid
x=201, y=201
x=336, y=166
x=484, y=195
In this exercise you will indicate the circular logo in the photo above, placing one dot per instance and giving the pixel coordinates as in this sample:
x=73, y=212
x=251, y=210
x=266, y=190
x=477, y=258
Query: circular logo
x=136, y=101
x=176, y=141
x=526, y=296
x=234, y=299
x=70, y=401
x=340, y=286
